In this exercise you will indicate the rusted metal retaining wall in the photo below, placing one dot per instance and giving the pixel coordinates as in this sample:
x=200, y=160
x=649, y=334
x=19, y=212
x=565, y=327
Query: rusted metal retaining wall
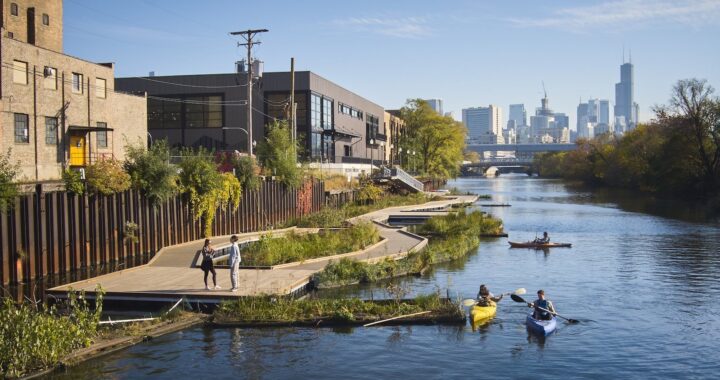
x=56, y=233
x=337, y=199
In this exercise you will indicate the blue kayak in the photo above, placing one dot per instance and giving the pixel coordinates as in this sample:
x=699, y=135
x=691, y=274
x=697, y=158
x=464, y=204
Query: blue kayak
x=541, y=327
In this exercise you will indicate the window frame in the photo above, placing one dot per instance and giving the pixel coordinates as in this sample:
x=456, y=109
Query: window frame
x=50, y=78
x=49, y=132
x=46, y=19
x=14, y=9
x=80, y=83
x=101, y=125
x=26, y=129
x=101, y=94
x=17, y=70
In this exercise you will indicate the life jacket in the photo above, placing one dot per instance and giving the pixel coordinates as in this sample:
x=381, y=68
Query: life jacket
x=542, y=314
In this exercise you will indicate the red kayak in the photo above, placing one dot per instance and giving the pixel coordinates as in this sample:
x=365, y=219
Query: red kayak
x=532, y=244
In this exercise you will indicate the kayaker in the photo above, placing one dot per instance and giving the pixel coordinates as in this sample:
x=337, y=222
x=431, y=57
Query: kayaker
x=543, y=240
x=542, y=303
x=485, y=298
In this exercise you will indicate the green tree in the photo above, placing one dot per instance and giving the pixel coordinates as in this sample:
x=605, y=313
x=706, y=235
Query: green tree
x=278, y=155
x=438, y=139
x=206, y=188
x=8, y=176
x=246, y=171
x=107, y=177
x=151, y=171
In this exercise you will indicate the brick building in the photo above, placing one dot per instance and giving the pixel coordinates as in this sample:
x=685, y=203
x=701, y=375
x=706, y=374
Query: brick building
x=58, y=111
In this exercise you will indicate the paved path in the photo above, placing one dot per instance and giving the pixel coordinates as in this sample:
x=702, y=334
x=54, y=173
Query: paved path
x=172, y=273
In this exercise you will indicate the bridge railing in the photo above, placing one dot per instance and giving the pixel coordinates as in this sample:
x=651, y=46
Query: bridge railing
x=398, y=174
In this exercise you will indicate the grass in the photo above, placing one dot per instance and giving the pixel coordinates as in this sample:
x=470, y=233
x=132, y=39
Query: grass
x=265, y=309
x=452, y=236
x=296, y=247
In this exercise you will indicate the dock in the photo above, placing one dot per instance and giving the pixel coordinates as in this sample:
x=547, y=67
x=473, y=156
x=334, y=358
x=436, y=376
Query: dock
x=173, y=273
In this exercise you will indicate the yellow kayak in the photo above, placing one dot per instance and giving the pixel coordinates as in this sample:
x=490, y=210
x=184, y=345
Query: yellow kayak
x=480, y=314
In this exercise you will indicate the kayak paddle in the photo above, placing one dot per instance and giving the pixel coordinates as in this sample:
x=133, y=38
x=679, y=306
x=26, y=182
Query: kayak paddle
x=470, y=302
x=517, y=298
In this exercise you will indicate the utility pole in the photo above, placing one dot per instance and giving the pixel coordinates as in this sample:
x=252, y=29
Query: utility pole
x=292, y=100
x=248, y=36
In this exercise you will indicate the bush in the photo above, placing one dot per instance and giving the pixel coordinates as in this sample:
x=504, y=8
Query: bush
x=278, y=155
x=151, y=171
x=8, y=175
x=369, y=193
x=73, y=181
x=246, y=171
x=107, y=177
x=35, y=338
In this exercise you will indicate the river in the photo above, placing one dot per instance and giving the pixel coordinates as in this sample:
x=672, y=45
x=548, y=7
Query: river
x=645, y=286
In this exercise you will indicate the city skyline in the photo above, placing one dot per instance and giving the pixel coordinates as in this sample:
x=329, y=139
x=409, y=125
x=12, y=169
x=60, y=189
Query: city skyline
x=389, y=51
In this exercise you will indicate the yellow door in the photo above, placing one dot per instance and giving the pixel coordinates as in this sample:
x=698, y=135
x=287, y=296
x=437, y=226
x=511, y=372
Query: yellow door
x=77, y=150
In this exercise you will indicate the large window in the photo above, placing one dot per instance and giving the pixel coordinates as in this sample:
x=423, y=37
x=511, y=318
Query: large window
x=77, y=83
x=102, y=140
x=372, y=125
x=51, y=124
x=185, y=112
x=50, y=80
x=20, y=70
x=321, y=120
x=22, y=131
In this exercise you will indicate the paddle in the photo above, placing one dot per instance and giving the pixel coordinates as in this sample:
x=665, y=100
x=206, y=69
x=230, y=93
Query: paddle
x=470, y=302
x=517, y=298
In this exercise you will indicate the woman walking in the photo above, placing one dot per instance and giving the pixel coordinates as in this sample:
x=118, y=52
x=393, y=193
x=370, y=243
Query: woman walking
x=207, y=264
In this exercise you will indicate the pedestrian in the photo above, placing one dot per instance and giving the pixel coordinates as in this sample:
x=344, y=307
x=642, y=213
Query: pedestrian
x=234, y=262
x=207, y=265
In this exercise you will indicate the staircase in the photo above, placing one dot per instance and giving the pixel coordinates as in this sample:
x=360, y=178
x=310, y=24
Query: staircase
x=400, y=178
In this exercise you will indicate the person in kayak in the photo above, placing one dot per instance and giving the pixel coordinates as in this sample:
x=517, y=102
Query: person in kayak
x=543, y=240
x=485, y=298
x=540, y=304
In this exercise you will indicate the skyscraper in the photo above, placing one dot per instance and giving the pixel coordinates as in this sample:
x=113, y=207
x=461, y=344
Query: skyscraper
x=625, y=106
x=518, y=114
x=436, y=104
x=604, y=117
x=483, y=124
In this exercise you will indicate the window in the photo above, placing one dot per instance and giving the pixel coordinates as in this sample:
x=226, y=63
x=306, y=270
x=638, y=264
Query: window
x=22, y=131
x=372, y=125
x=46, y=19
x=13, y=9
x=186, y=112
x=100, y=88
x=20, y=72
x=51, y=124
x=11, y=35
x=102, y=135
x=77, y=83
x=347, y=150
x=50, y=80
x=352, y=112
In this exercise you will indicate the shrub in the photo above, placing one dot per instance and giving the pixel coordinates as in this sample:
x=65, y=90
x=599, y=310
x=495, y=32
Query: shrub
x=73, y=181
x=246, y=171
x=8, y=175
x=151, y=171
x=278, y=155
x=107, y=177
x=369, y=193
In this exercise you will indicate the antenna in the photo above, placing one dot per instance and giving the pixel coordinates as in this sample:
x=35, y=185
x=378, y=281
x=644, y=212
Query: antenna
x=544, y=90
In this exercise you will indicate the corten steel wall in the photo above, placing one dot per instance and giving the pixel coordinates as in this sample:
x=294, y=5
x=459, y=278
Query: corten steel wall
x=52, y=233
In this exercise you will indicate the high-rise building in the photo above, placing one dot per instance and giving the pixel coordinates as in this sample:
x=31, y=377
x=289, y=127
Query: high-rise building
x=604, y=117
x=436, y=104
x=518, y=114
x=593, y=118
x=483, y=124
x=625, y=106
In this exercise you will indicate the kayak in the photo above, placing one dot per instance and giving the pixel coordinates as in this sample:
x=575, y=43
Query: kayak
x=541, y=327
x=482, y=313
x=532, y=244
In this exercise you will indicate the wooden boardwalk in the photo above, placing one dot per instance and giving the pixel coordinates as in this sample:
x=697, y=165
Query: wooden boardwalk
x=172, y=274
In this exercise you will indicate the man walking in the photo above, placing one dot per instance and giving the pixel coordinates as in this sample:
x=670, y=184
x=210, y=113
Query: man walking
x=234, y=262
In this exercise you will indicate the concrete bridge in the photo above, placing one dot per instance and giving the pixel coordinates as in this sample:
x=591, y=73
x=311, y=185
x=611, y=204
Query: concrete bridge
x=520, y=148
x=497, y=165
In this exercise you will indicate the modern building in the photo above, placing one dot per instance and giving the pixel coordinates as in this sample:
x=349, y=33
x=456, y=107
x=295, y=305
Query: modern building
x=484, y=124
x=626, y=109
x=593, y=118
x=333, y=124
x=436, y=104
x=604, y=116
x=518, y=114
x=58, y=111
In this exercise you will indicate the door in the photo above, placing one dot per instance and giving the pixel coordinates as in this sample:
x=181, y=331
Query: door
x=77, y=150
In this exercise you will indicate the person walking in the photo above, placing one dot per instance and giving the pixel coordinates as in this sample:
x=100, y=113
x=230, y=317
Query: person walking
x=207, y=265
x=234, y=262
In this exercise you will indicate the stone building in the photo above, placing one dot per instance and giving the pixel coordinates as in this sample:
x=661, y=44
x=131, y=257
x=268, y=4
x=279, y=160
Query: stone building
x=58, y=111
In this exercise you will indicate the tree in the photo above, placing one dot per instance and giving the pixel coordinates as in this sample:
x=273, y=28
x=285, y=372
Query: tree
x=439, y=139
x=693, y=106
x=8, y=175
x=107, y=177
x=151, y=171
x=278, y=155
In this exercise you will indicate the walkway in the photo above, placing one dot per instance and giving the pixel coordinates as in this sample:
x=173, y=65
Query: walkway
x=172, y=273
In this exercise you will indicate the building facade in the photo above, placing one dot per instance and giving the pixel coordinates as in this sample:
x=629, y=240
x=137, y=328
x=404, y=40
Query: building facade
x=333, y=124
x=484, y=124
x=58, y=111
x=625, y=107
x=518, y=114
x=436, y=104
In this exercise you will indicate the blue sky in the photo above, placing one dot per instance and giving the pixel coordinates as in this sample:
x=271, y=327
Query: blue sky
x=468, y=53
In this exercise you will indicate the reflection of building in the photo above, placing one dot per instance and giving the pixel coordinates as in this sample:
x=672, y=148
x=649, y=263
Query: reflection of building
x=436, y=104
x=626, y=110
x=59, y=111
x=483, y=124
x=333, y=124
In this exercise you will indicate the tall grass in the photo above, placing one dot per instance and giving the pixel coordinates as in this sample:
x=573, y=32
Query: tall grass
x=296, y=247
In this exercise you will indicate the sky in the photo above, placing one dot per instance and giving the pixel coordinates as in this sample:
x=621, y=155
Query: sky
x=468, y=53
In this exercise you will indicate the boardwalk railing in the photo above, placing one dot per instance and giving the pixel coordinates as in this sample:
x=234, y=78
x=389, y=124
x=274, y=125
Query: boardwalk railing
x=51, y=233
